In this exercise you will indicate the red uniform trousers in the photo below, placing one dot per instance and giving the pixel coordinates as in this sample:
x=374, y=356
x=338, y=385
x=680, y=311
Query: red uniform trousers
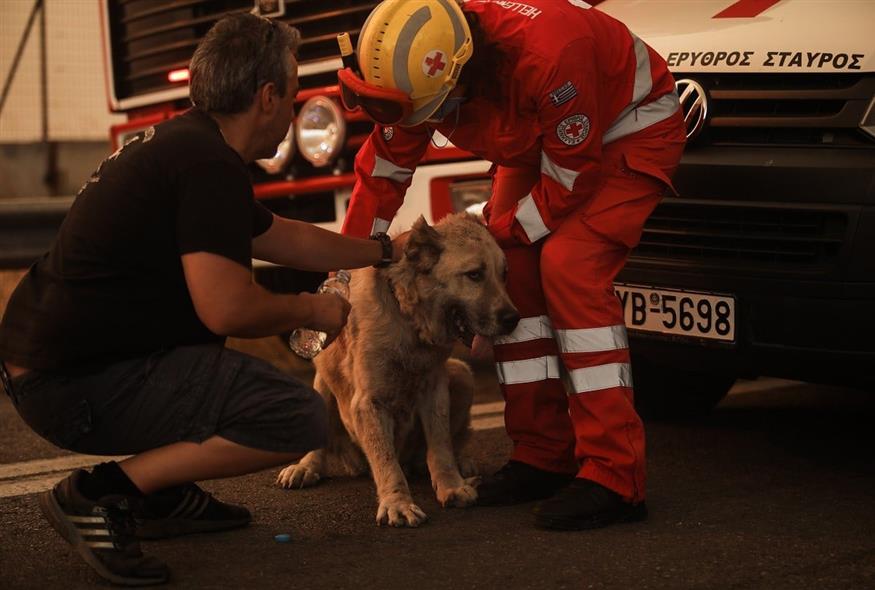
x=565, y=372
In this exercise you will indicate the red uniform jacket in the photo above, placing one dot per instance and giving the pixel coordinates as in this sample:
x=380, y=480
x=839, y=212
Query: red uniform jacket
x=574, y=80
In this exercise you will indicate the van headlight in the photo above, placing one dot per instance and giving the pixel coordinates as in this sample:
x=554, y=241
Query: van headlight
x=320, y=130
x=284, y=152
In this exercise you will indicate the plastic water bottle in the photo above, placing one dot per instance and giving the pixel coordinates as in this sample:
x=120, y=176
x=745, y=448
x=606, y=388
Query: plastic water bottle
x=307, y=343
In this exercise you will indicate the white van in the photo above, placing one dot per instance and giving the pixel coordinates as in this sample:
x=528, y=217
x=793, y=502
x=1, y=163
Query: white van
x=765, y=265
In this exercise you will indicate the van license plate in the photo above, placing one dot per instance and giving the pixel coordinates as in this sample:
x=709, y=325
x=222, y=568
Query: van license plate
x=682, y=313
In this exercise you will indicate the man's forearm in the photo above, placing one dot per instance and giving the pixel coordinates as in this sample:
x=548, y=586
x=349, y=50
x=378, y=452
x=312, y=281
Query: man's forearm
x=307, y=247
x=257, y=313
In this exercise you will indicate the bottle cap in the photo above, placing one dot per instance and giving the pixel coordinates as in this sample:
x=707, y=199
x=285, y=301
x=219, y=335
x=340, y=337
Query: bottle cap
x=345, y=44
x=282, y=538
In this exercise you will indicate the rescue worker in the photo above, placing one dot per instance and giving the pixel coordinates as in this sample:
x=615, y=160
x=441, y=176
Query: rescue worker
x=582, y=122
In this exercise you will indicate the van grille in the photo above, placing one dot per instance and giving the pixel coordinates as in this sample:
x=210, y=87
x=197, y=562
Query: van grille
x=725, y=236
x=151, y=38
x=809, y=110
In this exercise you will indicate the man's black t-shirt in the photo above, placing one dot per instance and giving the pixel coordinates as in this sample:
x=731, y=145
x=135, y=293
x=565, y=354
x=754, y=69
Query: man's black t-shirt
x=112, y=285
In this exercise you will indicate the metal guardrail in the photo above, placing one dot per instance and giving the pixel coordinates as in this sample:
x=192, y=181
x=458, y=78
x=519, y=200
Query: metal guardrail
x=28, y=227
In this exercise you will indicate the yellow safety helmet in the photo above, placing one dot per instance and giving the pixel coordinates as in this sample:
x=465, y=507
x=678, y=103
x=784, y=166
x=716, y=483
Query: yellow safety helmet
x=417, y=47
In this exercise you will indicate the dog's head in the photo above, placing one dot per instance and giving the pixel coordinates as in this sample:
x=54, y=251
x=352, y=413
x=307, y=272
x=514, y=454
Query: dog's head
x=451, y=281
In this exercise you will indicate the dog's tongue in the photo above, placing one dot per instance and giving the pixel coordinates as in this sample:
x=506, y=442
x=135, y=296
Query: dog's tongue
x=481, y=348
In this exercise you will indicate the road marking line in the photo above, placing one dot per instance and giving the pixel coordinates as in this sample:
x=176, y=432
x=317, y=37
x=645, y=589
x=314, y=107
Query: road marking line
x=65, y=463
x=762, y=384
x=39, y=475
x=488, y=423
x=490, y=408
x=22, y=487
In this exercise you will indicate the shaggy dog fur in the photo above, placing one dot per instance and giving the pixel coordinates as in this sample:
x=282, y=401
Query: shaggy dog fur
x=392, y=392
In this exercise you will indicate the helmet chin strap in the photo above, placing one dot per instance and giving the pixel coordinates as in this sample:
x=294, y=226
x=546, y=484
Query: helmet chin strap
x=450, y=105
x=454, y=107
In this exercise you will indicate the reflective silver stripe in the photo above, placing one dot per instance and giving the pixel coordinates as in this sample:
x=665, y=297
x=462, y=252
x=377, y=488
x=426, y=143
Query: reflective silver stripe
x=100, y=545
x=643, y=78
x=386, y=169
x=528, y=370
x=530, y=218
x=458, y=33
x=85, y=519
x=459, y=37
x=593, y=339
x=644, y=116
x=402, y=48
x=380, y=226
x=634, y=118
x=563, y=176
x=601, y=377
x=528, y=329
x=431, y=106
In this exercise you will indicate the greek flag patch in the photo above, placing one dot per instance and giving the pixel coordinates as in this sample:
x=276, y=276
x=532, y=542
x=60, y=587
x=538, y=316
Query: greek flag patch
x=563, y=94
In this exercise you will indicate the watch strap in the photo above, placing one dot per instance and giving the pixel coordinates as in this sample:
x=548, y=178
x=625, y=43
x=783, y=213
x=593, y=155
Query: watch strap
x=386, y=244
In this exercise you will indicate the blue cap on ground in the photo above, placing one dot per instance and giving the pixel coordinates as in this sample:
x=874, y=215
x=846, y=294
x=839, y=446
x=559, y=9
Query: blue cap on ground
x=282, y=538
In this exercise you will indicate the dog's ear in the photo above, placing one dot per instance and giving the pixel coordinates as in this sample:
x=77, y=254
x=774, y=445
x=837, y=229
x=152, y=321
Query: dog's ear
x=424, y=246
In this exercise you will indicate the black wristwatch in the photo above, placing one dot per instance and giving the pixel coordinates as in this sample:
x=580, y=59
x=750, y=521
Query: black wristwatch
x=386, y=243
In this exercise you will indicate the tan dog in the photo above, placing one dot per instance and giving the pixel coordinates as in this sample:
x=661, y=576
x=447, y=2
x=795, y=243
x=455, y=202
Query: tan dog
x=393, y=394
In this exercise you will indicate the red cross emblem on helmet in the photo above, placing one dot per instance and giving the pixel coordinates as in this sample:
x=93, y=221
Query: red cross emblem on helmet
x=434, y=63
x=573, y=130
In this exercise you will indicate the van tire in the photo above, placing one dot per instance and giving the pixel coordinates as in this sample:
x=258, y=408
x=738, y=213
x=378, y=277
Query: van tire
x=667, y=393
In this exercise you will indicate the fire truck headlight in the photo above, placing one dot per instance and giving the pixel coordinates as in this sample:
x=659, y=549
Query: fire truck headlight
x=320, y=130
x=284, y=152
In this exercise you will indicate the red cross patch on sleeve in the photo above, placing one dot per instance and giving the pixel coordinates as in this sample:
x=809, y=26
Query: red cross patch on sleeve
x=573, y=130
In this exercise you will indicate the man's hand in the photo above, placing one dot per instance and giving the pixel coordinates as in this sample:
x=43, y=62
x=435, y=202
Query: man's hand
x=330, y=312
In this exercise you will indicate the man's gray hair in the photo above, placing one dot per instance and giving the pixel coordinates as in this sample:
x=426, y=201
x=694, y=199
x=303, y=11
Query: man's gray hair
x=238, y=55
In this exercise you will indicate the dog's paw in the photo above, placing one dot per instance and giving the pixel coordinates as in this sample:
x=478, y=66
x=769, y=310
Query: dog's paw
x=467, y=467
x=297, y=476
x=400, y=512
x=461, y=496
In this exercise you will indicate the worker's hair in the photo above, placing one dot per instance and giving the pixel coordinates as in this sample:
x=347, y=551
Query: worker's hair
x=487, y=64
x=238, y=55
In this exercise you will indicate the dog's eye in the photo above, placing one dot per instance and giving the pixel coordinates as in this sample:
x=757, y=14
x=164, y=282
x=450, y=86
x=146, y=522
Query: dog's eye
x=475, y=275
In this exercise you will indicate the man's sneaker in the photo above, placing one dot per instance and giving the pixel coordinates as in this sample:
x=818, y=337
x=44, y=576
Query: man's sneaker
x=518, y=482
x=586, y=505
x=185, y=509
x=102, y=533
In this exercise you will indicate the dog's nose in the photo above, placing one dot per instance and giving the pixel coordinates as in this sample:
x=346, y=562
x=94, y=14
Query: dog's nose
x=508, y=318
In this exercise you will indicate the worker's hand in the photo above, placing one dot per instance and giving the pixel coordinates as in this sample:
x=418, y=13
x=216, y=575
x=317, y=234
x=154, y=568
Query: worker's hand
x=481, y=347
x=329, y=315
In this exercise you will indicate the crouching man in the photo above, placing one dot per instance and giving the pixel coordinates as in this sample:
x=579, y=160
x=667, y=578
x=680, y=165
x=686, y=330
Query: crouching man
x=113, y=342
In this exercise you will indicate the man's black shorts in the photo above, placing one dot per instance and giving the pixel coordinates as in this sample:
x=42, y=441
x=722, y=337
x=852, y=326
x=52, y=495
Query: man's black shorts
x=185, y=394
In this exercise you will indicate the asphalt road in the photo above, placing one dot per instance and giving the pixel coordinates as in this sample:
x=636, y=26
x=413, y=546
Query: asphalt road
x=774, y=490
